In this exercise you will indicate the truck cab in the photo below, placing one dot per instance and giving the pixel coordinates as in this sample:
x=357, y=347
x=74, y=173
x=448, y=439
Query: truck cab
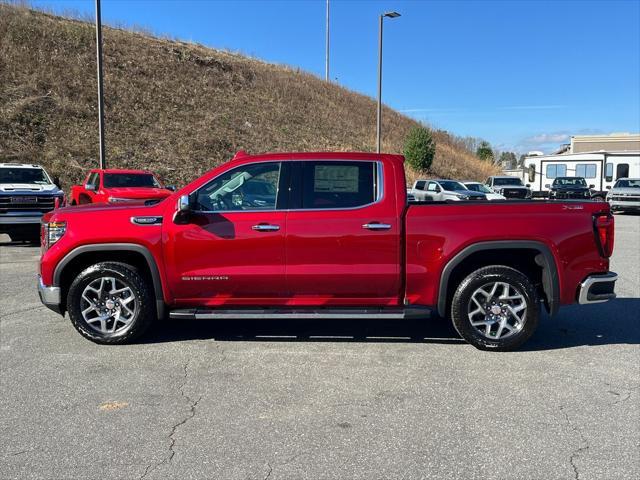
x=27, y=192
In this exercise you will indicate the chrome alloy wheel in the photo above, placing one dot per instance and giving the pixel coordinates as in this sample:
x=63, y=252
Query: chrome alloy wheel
x=108, y=305
x=497, y=310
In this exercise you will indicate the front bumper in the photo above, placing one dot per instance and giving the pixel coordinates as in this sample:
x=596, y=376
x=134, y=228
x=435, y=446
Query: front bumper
x=49, y=296
x=624, y=204
x=20, y=219
x=597, y=288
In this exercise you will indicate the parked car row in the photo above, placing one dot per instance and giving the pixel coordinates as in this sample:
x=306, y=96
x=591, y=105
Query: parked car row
x=27, y=192
x=495, y=188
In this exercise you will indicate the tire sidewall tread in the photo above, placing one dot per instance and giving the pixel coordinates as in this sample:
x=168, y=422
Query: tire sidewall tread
x=462, y=296
x=141, y=289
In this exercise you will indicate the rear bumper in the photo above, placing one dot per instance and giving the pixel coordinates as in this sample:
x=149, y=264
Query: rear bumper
x=49, y=296
x=597, y=288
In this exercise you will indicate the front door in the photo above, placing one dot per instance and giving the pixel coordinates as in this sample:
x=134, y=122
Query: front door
x=230, y=249
x=343, y=235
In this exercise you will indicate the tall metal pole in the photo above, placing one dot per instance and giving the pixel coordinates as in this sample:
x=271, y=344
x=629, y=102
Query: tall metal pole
x=326, y=60
x=379, y=120
x=103, y=160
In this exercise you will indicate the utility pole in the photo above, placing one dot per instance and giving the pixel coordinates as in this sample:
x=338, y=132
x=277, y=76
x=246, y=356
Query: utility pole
x=103, y=160
x=379, y=116
x=326, y=59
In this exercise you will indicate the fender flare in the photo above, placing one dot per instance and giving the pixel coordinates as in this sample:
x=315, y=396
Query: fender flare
x=110, y=247
x=544, y=258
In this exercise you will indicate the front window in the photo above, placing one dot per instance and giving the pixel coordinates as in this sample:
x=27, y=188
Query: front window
x=586, y=170
x=477, y=187
x=250, y=187
x=24, y=175
x=570, y=181
x=556, y=170
x=126, y=180
x=328, y=185
x=451, y=186
x=628, y=183
x=507, y=181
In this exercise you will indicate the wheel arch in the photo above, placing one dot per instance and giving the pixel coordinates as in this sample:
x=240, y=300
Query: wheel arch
x=541, y=255
x=86, y=255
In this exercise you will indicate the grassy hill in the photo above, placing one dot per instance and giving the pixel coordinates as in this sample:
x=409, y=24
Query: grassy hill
x=174, y=107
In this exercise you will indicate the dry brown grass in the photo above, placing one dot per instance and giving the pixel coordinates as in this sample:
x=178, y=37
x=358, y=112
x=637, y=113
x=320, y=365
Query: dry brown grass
x=174, y=107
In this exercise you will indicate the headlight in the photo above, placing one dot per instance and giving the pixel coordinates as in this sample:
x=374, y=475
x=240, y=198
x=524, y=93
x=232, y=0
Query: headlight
x=52, y=232
x=121, y=200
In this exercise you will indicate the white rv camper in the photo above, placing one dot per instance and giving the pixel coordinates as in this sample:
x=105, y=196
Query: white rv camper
x=600, y=169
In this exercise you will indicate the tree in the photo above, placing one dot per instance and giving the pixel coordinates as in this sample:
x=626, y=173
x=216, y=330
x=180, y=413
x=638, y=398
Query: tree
x=508, y=160
x=420, y=148
x=484, y=151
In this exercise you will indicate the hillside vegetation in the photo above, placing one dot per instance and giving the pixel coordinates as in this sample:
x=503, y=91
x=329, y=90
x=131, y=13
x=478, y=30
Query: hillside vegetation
x=173, y=107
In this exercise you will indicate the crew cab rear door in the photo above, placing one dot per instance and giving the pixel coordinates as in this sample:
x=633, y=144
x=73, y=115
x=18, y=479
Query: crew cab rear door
x=343, y=235
x=230, y=249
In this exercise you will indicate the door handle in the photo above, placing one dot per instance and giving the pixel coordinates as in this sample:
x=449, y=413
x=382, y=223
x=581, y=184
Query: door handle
x=376, y=226
x=265, y=227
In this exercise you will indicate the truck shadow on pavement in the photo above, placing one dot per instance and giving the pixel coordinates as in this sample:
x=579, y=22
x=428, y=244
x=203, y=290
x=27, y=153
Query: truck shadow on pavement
x=615, y=322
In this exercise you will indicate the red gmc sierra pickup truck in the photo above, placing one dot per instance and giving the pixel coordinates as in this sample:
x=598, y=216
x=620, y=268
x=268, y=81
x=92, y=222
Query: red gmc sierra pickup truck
x=309, y=235
x=118, y=186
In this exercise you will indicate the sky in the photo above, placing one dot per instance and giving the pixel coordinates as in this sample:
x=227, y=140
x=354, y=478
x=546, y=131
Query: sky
x=524, y=75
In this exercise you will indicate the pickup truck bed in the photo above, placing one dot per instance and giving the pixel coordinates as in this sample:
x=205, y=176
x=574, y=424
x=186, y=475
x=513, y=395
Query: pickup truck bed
x=307, y=235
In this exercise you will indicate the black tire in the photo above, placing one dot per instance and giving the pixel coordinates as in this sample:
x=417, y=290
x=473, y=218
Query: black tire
x=145, y=312
x=462, y=303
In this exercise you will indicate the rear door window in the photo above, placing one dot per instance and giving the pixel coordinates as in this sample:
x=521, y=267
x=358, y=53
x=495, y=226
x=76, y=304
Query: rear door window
x=339, y=184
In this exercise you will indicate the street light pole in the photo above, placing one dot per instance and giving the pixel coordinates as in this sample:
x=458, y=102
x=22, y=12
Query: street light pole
x=326, y=60
x=379, y=116
x=103, y=160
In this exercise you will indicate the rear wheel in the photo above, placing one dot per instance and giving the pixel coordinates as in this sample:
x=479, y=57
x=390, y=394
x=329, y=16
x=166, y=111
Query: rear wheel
x=495, y=308
x=111, y=303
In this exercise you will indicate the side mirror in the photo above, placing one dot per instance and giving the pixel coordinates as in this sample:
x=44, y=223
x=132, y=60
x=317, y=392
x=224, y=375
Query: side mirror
x=592, y=186
x=547, y=185
x=608, y=187
x=528, y=185
x=184, y=205
x=56, y=182
x=438, y=189
x=89, y=186
x=171, y=188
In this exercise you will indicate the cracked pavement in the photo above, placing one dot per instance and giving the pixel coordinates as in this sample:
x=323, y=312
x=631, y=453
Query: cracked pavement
x=320, y=399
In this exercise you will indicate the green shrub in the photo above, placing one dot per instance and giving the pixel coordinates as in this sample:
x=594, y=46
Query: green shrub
x=419, y=149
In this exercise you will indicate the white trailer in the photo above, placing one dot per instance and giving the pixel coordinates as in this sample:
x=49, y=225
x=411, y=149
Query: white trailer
x=599, y=169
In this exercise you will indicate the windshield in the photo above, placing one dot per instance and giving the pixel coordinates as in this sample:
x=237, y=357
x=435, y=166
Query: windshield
x=118, y=180
x=477, y=187
x=450, y=185
x=570, y=181
x=24, y=175
x=628, y=183
x=507, y=181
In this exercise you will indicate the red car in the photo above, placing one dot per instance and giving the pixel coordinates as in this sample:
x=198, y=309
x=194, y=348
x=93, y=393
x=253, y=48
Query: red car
x=307, y=235
x=118, y=186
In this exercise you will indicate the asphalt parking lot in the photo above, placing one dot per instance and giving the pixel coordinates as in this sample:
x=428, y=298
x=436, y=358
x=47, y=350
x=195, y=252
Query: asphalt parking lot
x=320, y=399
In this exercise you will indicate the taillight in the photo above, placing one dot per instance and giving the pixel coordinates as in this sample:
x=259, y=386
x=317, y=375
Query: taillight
x=604, y=231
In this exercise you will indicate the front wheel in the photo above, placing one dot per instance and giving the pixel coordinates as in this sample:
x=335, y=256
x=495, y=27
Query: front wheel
x=495, y=308
x=111, y=303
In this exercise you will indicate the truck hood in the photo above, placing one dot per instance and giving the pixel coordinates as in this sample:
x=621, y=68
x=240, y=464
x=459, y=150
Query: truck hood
x=626, y=191
x=139, y=193
x=570, y=188
x=515, y=187
x=28, y=188
x=468, y=193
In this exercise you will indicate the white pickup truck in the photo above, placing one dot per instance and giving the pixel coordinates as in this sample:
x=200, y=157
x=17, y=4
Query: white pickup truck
x=26, y=193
